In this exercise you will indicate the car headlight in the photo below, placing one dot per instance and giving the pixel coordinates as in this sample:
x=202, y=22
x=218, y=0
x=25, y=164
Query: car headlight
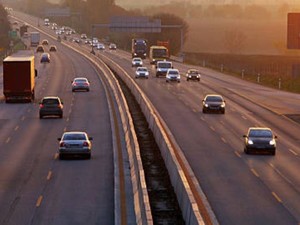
x=223, y=105
x=206, y=105
x=190, y=76
x=250, y=142
x=135, y=54
x=272, y=142
x=144, y=54
x=178, y=77
x=147, y=74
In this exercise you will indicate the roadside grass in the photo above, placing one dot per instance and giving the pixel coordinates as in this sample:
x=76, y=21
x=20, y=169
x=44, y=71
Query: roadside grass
x=279, y=72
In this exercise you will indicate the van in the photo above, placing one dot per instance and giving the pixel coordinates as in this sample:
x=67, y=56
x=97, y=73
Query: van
x=162, y=67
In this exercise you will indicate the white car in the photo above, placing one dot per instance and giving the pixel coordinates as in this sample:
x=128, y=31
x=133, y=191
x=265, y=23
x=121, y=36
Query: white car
x=142, y=72
x=136, y=62
x=100, y=46
x=173, y=75
x=75, y=143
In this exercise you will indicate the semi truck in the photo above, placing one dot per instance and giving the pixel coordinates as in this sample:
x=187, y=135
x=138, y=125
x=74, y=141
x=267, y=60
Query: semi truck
x=34, y=39
x=19, y=77
x=139, y=48
x=158, y=53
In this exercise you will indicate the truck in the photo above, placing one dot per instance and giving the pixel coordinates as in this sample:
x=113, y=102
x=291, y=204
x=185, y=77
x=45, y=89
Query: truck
x=158, y=53
x=164, y=43
x=34, y=38
x=139, y=48
x=162, y=67
x=19, y=77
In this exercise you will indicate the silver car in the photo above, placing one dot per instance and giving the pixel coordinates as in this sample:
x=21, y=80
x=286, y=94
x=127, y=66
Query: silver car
x=80, y=83
x=75, y=143
x=142, y=72
x=136, y=61
x=173, y=75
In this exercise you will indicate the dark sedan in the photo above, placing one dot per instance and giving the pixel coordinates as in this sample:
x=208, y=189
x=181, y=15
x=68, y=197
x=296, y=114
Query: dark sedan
x=260, y=139
x=213, y=103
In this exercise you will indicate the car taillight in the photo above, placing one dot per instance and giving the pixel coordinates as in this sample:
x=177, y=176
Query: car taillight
x=41, y=106
x=62, y=144
x=86, y=84
x=60, y=106
x=85, y=144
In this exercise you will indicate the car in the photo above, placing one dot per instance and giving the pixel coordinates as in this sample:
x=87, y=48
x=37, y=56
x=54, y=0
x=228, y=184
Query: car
x=52, y=48
x=162, y=67
x=260, y=139
x=213, y=103
x=100, y=46
x=80, y=83
x=45, y=42
x=40, y=48
x=136, y=61
x=45, y=58
x=112, y=46
x=75, y=143
x=193, y=74
x=141, y=72
x=83, y=36
x=51, y=106
x=173, y=75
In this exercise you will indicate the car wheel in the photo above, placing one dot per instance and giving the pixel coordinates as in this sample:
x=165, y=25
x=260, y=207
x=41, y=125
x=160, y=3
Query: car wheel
x=61, y=116
x=246, y=151
x=178, y=81
x=223, y=111
x=203, y=110
x=88, y=156
x=61, y=156
x=187, y=79
x=41, y=116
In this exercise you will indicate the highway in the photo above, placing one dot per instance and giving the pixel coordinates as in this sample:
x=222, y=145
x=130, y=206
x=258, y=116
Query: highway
x=35, y=186
x=241, y=189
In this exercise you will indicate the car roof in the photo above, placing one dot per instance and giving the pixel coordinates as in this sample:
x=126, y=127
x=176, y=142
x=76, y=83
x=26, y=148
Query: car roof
x=173, y=70
x=259, y=128
x=51, y=97
x=193, y=70
x=74, y=132
x=213, y=95
x=137, y=58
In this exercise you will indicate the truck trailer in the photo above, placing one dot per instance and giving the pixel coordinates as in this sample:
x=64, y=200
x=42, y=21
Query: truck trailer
x=19, y=77
x=34, y=39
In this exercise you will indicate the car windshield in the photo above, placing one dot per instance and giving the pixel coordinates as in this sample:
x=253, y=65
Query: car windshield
x=137, y=60
x=260, y=133
x=74, y=137
x=80, y=80
x=50, y=101
x=142, y=69
x=165, y=65
x=193, y=72
x=173, y=72
x=214, y=99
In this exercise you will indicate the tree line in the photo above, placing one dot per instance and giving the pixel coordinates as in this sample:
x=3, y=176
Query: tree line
x=4, y=29
x=86, y=13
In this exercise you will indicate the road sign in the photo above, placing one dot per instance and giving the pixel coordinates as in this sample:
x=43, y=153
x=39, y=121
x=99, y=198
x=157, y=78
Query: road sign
x=135, y=24
x=57, y=12
x=293, y=31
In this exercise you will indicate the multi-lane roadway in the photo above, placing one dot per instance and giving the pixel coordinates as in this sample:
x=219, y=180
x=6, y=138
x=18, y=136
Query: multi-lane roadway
x=241, y=189
x=35, y=186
